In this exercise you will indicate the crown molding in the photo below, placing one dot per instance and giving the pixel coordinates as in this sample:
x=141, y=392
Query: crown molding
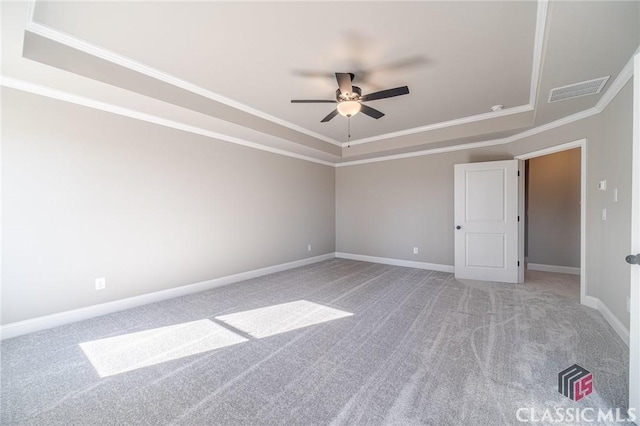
x=68, y=40
x=443, y=124
x=611, y=93
x=614, y=88
x=123, y=61
x=536, y=72
x=483, y=144
x=621, y=80
x=115, y=58
x=103, y=106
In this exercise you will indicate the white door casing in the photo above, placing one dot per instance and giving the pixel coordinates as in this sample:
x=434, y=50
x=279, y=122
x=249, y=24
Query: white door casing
x=634, y=326
x=486, y=221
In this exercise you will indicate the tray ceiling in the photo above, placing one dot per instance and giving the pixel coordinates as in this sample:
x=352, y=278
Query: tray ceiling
x=242, y=62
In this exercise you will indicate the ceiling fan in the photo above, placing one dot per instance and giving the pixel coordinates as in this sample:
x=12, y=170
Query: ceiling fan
x=349, y=98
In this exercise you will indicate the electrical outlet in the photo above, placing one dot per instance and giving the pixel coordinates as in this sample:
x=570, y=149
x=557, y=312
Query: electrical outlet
x=415, y=250
x=604, y=214
x=101, y=283
x=309, y=247
x=615, y=195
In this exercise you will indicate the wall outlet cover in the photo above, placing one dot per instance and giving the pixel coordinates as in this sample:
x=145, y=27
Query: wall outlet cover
x=101, y=283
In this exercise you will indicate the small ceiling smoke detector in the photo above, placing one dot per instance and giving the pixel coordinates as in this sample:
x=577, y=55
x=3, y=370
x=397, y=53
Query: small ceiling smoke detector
x=576, y=90
x=496, y=108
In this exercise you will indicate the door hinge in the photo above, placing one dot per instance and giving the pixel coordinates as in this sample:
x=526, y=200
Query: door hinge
x=518, y=172
x=518, y=218
x=518, y=263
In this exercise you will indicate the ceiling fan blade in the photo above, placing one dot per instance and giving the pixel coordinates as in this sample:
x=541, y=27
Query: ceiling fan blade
x=330, y=116
x=389, y=93
x=313, y=74
x=344, y=82
x=371, y=112
x=312, y=101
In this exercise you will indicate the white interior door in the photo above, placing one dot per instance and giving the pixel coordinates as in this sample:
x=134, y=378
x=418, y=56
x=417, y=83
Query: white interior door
x=486, y=221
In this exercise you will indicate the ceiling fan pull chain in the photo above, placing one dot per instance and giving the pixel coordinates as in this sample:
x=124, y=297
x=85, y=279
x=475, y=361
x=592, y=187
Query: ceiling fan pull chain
x=348, y=132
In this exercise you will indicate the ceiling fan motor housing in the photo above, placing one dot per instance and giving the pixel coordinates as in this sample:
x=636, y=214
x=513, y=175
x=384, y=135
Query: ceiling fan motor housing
x=353, y=96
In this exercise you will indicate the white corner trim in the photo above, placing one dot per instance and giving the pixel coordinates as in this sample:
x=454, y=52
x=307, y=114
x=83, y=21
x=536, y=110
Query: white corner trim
x=19, y=328
x=396, y=262
x=443, y=124
x=554, y=268
x=114, y=109
x=614, y=88
x=107, y=55
x=538, y=47
x=31, y=8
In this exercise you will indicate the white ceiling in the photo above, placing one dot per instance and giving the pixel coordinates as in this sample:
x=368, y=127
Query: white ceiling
x=242, y=62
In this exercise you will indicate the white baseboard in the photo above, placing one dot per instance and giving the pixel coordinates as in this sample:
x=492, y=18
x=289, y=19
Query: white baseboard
x=618, y=327
x=397, y=262
x=554, y=268
x=589, y=301
x=614, y=322
x=49, y=321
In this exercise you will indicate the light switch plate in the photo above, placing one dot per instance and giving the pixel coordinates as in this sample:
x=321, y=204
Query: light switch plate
x=602, y=185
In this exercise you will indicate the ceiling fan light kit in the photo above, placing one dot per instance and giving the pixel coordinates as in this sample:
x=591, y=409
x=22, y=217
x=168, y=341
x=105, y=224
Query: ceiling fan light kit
x=349, y=108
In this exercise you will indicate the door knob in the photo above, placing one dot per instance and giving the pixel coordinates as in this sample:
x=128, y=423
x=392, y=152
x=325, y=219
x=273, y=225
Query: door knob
x=458, y=227
x=633, y=260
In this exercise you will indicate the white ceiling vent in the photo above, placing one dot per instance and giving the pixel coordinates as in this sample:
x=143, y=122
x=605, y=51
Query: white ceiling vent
x=576, y=90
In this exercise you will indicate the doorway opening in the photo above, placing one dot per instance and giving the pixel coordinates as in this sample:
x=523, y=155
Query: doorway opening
x=550, y=239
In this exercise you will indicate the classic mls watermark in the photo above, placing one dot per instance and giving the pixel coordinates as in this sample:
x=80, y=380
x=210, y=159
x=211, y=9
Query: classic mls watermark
x=575, y=383
x=575, y=415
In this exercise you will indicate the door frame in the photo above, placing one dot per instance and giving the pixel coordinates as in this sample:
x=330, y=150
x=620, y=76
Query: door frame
x=634, y=320
x=582, y=144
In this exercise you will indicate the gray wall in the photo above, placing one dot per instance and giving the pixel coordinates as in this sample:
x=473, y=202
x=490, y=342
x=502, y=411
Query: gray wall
x=386, y=208
x=616, y=154
x=152, y=208
x=89, y=194
x=553, y=209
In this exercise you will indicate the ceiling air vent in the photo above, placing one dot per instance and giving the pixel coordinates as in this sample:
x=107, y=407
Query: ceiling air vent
x=576, y=90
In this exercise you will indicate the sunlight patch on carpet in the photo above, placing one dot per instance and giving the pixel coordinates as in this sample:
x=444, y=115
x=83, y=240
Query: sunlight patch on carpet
x=119, y=354
x=276, y=319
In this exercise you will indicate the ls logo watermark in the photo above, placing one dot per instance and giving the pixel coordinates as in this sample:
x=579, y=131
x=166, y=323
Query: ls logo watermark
x=575, y=382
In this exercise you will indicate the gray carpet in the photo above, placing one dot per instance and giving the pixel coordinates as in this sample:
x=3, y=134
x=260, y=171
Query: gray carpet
x=419, y=348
